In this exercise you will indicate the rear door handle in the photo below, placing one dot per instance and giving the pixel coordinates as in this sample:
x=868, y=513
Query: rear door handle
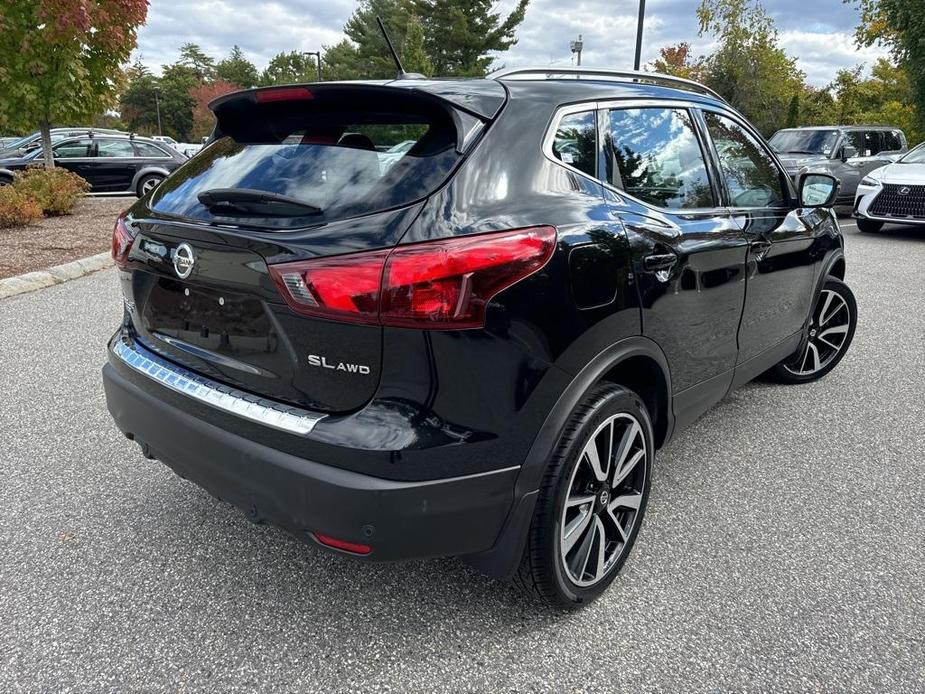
x=664, y=261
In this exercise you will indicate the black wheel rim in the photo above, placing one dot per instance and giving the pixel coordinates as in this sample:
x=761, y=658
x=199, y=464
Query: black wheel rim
x=603, y=500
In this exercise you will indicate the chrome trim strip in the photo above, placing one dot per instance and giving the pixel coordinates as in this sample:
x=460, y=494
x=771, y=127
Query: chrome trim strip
x=209, y=355
x=221, y=397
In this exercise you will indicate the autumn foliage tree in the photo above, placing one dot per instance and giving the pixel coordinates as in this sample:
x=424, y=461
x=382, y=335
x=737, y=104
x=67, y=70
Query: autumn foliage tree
x=203, y=119
x=60, y=59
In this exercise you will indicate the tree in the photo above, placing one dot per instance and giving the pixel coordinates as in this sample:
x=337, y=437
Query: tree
x=202, y=95
x=461, y=37
x=287, y=68
x=413, y=56
x=678, y=61
x=237, y=69
x=192, y=56
x=59, y=59
x=900, y=25
x=749, y=69
x=177, y=81
x=138, y=103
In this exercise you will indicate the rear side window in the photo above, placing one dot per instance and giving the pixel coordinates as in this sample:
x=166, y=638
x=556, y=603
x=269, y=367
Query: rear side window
x=654, y=155
x=575, y=142
x=339, y=160
x=146, y=149
x=890, y=141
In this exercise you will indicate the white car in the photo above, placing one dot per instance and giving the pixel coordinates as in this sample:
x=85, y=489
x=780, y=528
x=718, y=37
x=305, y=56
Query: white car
x=187, y=148
x=893, y=193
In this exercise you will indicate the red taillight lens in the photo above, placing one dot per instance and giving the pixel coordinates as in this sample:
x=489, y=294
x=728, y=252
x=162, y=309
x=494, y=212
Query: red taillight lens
x=448, y=283
x=444, y=284
x=284, y=94
x=344, y=287
x=122, y=240
x=351, y=547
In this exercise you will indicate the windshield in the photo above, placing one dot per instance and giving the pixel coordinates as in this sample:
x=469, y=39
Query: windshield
x=329, y=164
x=915, y=156
x=804, y=141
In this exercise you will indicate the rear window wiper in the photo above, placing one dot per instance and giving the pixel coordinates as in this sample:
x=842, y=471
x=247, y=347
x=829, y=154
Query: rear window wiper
x=246, y=201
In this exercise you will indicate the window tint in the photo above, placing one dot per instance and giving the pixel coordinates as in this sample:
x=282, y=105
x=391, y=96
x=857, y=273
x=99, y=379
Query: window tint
x=146, y=149
x=114, y=148
x=890, y=141
x=576, y=141
x=336, y=160
x=866, y=142
x=752, y=178
x=653, y=154
x=74, y=149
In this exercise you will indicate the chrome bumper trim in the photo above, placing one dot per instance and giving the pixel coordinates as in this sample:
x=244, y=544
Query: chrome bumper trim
x=221, y=397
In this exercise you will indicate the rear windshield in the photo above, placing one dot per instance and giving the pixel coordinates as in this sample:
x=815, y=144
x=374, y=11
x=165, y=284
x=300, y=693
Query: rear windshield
x=339, y=162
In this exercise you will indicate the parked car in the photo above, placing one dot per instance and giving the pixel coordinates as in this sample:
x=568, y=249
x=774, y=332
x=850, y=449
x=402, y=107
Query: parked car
x=847, y=152
x=109, y=163
x=478, y=351
x=24, y=145
x=893, y=193
x=185, y=148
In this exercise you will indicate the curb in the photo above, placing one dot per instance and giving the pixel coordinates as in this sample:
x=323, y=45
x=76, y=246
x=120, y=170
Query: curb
x=40, y=279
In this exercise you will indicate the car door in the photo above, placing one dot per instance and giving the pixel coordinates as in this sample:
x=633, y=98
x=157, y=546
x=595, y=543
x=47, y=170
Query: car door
x=115, y=164
x=77, y=155
x=689, y=253
x=783, y=243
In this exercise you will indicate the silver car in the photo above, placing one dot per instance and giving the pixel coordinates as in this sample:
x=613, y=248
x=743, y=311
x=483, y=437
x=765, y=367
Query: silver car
x=847, y=152
x=893, y=193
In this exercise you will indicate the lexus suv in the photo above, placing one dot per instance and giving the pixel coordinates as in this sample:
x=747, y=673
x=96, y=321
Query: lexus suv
x=476, y=349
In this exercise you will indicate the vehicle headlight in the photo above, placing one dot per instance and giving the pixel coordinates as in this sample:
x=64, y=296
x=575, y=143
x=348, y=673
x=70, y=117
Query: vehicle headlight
x=868, y=181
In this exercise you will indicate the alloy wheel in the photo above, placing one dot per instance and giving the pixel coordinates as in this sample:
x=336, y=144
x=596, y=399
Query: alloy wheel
x=148, y=185
x=603, y=499
x=828, y=332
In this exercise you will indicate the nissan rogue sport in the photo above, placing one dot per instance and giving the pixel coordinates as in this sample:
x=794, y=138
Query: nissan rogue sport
x=476, y=347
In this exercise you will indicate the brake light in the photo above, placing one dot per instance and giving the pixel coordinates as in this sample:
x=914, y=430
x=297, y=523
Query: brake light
x=443, y=284
x=122, y=240
x=284, y=94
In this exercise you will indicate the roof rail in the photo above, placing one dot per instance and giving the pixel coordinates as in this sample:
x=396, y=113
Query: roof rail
x=554, y=72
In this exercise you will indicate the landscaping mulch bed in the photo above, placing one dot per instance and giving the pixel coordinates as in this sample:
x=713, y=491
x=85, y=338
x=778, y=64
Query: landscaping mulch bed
x=55, y=240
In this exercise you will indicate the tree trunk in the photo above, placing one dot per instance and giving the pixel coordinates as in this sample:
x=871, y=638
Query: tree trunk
x=45, y=128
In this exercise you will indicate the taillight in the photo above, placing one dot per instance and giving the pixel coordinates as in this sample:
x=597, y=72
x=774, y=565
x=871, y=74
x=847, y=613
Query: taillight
x=122, y=240
x=443, y=284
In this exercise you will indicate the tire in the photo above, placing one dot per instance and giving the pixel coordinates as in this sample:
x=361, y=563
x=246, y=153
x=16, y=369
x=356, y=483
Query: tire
x=869, y=226
x=148, y=183
x=551, y=568
x=835, y=308
x=5, y=180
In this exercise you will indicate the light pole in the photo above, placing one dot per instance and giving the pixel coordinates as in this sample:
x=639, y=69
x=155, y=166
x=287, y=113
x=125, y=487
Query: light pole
x=642, y=17
x=576, y=47
x=157, y=103
x=317, y=55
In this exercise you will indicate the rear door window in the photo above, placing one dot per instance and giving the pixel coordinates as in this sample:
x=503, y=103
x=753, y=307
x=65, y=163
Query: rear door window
x=339, y=162
x=654, y=155
x=115, y=148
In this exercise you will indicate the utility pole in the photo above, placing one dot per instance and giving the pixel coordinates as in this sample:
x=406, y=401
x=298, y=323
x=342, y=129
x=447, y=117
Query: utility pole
x=642, y=18
x=576, y=47
x=157, y=103
x=317, y=55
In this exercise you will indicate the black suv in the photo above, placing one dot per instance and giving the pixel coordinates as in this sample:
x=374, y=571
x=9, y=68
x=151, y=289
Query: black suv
x=110, y=163
x=475, y=347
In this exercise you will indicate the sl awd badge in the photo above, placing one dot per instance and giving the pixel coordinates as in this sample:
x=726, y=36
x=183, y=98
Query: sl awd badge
x=322, y=362
x=183, y=260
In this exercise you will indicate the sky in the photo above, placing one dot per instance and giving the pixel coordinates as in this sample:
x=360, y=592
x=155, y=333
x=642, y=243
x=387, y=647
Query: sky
x=819, y=33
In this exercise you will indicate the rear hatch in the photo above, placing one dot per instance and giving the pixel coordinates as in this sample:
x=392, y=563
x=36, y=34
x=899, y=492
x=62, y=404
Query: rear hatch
x=293, y=175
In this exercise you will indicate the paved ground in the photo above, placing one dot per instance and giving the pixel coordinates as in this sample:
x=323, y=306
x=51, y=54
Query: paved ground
x=783, y=549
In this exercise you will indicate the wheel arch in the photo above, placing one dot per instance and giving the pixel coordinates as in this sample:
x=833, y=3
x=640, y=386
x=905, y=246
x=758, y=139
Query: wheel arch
x=147, y=171
x=637, y=363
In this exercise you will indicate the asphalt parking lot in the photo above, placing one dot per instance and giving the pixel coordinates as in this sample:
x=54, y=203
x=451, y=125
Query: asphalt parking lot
x=783, y=548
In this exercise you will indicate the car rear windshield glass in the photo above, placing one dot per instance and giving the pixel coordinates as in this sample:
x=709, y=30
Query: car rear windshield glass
x=339, y=162
x=804, y=141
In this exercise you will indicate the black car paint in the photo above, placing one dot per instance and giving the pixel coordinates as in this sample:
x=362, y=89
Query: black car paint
x=453, y=404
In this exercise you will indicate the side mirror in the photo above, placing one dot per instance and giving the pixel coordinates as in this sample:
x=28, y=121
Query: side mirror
x=818, y=190
x=848, y=151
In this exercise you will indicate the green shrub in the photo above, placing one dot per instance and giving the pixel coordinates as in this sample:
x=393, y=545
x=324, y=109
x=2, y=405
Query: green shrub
x=16, y=208
x=55, y=190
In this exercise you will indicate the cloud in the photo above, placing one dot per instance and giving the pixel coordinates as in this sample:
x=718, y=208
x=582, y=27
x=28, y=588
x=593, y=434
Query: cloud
x=819, y=34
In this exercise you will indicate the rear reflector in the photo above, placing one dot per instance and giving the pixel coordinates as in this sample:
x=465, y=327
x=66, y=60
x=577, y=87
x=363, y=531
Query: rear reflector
x=444, y=284
x=284, y=94
x=351, y=547
x=122, y=240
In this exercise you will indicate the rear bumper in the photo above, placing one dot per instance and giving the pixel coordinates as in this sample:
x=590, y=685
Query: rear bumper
x=397, y=519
